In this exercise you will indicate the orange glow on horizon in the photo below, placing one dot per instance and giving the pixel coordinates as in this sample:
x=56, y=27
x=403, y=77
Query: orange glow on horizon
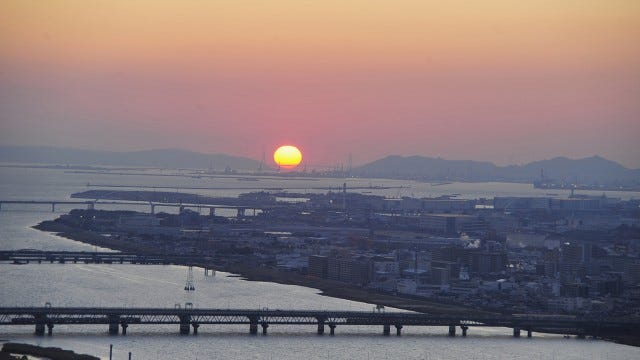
x=287, y=157
x=368, y=77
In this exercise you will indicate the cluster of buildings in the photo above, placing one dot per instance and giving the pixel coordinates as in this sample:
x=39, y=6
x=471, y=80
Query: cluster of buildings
x=575, y=255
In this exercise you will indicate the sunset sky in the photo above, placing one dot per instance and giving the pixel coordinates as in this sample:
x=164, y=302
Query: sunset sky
x=499, y=80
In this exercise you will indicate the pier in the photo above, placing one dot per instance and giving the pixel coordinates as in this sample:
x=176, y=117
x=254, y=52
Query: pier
x=188, y=320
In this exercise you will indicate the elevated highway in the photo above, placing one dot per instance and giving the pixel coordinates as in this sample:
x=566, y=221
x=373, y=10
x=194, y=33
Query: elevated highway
x=91, y=204
x=88, y=257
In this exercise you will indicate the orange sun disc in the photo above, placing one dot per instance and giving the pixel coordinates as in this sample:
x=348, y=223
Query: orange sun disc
x=287, y=157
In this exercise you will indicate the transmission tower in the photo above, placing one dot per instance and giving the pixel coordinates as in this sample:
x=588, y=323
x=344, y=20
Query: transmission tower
x=189, y=284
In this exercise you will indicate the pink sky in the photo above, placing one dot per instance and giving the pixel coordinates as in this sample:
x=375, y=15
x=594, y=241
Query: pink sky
x=504, y=81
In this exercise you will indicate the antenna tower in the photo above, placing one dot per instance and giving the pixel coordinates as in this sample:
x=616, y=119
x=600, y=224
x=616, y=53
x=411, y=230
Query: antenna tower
x=189, y=284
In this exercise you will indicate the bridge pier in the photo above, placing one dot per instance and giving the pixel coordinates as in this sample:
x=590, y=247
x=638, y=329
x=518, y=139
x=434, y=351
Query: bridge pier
x=153, y=208
x=39, y=329
x=516, y=332
x=209, y=272
x=49, y=329
x=332, y=329
x=264, y=327
x=452, y=330
x=253, y=325
x=91, y=206
x=195, y=328
x=124, y=326
x=398, y=330
x=212, y=212
x=114, y=324
x=320, y=326
x=464, y=330
x=528, y=333
x=53, y=207
x=114, y=329
x=185, y=324
x=386, y=329
x=41, y=320
x=240, y=213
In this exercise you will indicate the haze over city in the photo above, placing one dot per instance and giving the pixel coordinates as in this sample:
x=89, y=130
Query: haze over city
x=319, y=179
x=503, y=81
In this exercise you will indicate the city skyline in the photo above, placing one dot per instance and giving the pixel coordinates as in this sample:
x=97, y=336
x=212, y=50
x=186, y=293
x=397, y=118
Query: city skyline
x=499, y=81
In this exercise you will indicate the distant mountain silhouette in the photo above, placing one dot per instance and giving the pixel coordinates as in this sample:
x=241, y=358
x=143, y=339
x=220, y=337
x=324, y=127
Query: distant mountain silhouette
x=592, y=170
x=161, y=158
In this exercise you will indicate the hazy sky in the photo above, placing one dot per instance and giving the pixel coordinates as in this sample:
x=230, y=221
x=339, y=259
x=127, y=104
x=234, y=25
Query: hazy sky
x=500, y=80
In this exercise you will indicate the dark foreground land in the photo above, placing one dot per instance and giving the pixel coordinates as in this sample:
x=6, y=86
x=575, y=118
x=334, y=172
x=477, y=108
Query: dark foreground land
x=13, y=351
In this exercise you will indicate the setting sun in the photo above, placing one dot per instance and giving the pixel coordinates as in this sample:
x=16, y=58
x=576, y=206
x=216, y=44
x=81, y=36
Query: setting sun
x=287, y=157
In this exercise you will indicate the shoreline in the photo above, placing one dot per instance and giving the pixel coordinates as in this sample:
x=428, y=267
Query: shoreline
x=325, y=287
x=336, y=289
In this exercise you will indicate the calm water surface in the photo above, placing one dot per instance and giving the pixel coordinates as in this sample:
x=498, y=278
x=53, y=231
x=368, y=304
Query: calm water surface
x=161, y=286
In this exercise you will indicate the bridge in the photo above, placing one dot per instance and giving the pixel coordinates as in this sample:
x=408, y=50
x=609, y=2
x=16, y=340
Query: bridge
x=91, y=204
x=188, y=318
x=87, y=257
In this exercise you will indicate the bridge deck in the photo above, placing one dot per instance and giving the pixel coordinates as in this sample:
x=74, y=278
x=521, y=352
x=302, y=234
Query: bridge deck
x=185, y=317
x=128, y=202
x=36, y=256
